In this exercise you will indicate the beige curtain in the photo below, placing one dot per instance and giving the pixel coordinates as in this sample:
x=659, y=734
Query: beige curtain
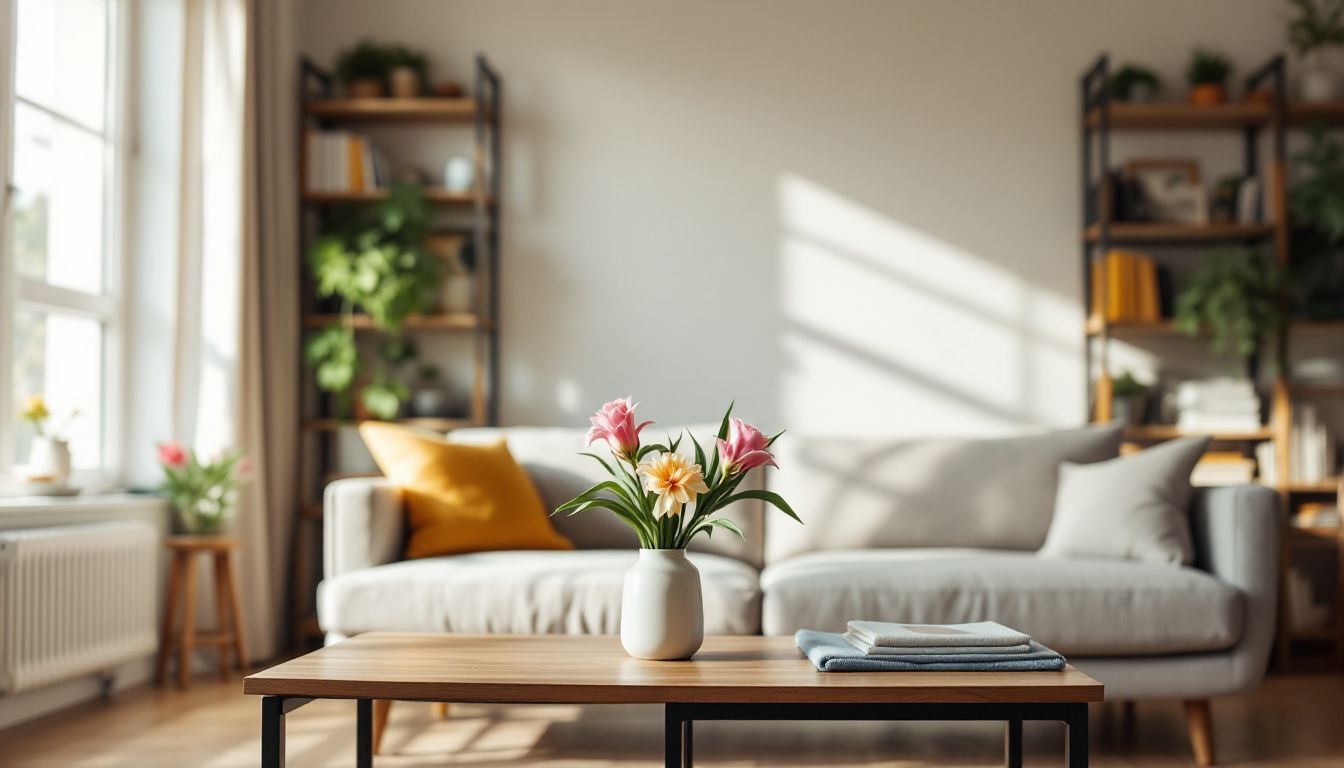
x=236, y=342
x=268, y=403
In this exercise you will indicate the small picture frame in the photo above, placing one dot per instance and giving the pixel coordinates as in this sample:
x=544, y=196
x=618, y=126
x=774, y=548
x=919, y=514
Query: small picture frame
x=1171, y=190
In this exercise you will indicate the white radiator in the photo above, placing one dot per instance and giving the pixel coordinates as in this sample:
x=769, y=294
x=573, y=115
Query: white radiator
x=75, y=600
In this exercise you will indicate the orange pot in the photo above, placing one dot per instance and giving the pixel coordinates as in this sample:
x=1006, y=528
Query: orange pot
x=1207, y=93
x=364, y=88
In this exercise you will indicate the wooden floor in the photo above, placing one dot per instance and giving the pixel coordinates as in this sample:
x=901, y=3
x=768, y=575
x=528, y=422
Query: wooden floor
x=1292, y=722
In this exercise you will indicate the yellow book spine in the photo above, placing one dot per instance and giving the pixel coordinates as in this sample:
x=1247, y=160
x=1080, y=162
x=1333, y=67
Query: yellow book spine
x=355, y=153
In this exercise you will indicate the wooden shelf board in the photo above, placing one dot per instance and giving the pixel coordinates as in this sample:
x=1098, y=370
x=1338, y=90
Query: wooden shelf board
x=1307, y=112
x=1329, y=486
x=435, y=195
x=1148, y=232
x=1096, y=325
x=425, y=110
x=1316, y=633
x=1317, y=387
x=1181, y=116
x=1159, y=432
x=438, y=425
x=457, y=321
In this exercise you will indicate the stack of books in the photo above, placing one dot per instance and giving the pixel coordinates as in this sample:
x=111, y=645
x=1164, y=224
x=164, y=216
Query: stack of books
x=1127, y=287
x=1224, y=468
x=1218, y=405
x=339, y=161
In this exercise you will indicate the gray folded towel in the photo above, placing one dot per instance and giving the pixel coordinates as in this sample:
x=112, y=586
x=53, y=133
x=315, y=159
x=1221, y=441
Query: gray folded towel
x=898, y=635
x=830, y=652
x=934, y=650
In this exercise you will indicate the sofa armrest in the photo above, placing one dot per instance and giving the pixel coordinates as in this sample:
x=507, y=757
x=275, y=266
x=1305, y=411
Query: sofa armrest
x=1236, y=534
x=363, y=525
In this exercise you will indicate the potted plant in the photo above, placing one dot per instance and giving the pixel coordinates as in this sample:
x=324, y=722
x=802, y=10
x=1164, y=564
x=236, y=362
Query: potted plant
x=1129, y=399
x=364, y=70
x=202, y=492
x=407, y=72
x=1317, y=28
x=1232, y=300
x=1208, y=73
x=374, y=262
x=667, y=500
x=1132, y=83
x=49, y=452
x=431, y=397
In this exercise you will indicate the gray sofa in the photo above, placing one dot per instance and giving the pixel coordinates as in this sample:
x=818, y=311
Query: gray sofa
x=913, y=530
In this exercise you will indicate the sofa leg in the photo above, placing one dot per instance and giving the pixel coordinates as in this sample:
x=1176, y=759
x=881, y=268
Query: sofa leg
x=441, y=710
x=1200, y=725
x=381, y=708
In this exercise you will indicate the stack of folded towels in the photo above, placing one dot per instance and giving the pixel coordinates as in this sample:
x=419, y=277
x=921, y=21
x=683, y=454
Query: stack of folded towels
x=876, y=646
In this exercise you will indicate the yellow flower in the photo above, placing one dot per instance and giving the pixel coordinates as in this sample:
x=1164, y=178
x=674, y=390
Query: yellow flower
x=675, y=481
x=35, y=409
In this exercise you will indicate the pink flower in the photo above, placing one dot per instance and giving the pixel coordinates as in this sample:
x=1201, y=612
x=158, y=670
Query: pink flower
x=615, y=423
x=172, y=455
x=244, y=467
x=744, y=450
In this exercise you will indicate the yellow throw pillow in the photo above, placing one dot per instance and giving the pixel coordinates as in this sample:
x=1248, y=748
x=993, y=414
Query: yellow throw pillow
x=460, y=498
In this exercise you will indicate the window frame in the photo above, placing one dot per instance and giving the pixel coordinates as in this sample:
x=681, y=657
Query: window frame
x=109, y=308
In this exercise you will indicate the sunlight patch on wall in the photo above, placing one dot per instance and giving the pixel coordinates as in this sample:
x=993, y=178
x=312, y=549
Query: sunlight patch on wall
x=890, y=330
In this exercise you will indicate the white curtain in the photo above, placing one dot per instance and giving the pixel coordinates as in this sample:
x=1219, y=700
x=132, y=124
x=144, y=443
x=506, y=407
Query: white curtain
x=236, y=340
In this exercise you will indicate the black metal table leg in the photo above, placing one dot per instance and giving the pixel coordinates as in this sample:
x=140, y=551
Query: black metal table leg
x=1076, y=749
x=672, y=737
x=272, y=732
x=687, y=744
x=1012, y=743
x=364, y=733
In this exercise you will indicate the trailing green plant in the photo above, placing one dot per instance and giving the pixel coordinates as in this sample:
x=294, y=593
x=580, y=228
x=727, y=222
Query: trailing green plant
x=1125, y=385
x=1232, y=300
x=1208, y=67
x=1318, y=24
x=367, y=60
x=1317, y=199
x=1132, y=76
x=375, y=262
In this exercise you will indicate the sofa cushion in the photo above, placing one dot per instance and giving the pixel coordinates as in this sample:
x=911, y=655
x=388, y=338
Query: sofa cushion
x=577, y=592
x=1093, y=607
x=552, y=458
x=994, y=493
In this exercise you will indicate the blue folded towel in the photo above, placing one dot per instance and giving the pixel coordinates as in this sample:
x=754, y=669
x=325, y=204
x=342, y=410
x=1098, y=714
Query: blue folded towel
x=830, y=652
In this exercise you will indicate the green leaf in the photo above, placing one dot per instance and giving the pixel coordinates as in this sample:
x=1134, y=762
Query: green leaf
x=723, y=522
x=769, y=497
x=723, y=425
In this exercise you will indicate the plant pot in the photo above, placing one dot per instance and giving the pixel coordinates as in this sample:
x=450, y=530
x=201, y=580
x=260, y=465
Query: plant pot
x=49, y=460
x=1208, y=93
x=458, y=294
x=205, y=518
x=662, y=617
x=364, y=88
x=436, y=401
x=1131, y=410
x=1140, y=93
x=458, y=174
x=405, y=82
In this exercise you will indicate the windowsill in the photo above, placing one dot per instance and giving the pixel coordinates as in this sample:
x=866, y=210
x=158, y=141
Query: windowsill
x=90, y=502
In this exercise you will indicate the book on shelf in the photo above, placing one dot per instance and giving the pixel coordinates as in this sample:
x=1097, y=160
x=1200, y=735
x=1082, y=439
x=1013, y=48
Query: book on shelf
x=340, y=161
x=1311, y=453
x=1223, y=468
x=1127, y=287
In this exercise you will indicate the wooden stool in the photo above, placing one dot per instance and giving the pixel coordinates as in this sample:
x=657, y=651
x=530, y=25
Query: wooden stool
x=228, y=633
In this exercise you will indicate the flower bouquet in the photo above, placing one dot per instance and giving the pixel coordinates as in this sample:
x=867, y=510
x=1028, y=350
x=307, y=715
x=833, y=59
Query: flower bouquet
x=661, y=611
x=202, y=492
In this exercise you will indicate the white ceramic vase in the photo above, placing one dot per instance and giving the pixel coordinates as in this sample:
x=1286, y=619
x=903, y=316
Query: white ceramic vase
x=662, y=617
x=49, y=460
x=1318, y=81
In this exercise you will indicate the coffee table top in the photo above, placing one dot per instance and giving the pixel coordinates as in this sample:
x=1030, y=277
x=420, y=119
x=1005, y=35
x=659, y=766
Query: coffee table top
x=594, y=669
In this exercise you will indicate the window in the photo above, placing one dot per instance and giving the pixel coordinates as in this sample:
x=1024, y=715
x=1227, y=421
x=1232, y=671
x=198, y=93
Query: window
x=62, y=155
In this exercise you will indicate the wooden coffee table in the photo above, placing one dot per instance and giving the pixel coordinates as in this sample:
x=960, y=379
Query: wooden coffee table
x=731, y=678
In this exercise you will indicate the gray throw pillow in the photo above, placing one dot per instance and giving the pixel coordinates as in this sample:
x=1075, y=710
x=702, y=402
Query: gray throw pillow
x=1134, y=507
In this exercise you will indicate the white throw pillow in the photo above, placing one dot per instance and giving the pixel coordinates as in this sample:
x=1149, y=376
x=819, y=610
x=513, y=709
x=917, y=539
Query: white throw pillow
x=1133, y=508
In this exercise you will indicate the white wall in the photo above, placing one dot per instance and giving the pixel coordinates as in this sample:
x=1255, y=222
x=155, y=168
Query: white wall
x=849, y=216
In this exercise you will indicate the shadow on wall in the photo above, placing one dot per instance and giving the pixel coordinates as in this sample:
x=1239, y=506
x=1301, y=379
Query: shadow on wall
x=886, y=330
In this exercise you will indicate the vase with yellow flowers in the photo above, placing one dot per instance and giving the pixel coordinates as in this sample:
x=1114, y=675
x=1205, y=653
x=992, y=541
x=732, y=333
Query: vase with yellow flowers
x=667, y=499
x=48, y=467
